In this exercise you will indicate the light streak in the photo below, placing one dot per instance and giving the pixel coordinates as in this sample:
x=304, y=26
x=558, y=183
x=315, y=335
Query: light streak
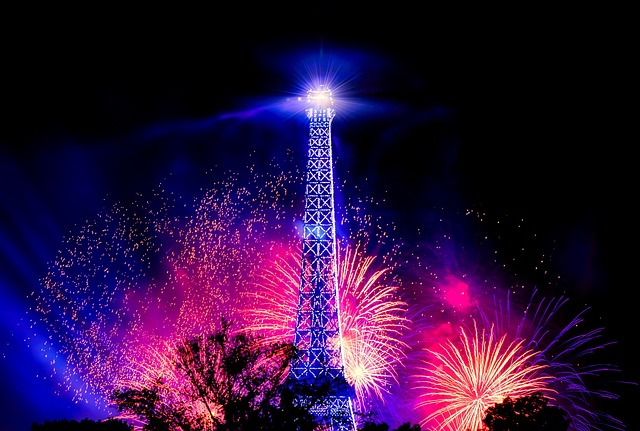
x=373, y=318
x=158, y=271
x=466, y=377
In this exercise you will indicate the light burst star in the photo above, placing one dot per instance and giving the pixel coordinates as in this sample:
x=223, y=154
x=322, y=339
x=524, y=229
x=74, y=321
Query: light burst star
x=462, y=379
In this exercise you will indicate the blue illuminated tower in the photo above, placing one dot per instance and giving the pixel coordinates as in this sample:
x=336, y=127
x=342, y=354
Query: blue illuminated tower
x=318, y=339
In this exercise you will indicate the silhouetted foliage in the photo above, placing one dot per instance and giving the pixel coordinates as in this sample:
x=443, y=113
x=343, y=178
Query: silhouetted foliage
x=235, y=380
x=83, y=425
x=372, y=426
x=526, y=413
x=408, y=427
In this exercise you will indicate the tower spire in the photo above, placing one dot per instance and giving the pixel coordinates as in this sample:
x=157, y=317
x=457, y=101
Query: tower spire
x=319, y=362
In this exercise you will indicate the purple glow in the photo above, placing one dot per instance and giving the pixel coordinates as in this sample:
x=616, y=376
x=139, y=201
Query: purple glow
x=154, y=267
x=155, y=272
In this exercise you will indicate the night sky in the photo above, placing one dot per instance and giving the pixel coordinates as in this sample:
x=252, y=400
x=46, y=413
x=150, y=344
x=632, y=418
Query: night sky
x=519, y=113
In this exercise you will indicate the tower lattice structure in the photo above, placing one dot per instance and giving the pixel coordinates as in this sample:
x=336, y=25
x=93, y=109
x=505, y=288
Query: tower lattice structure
x=319, y=363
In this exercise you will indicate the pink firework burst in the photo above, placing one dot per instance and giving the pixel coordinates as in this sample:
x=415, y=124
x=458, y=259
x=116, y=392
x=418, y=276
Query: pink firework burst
x=150, y=272
x=463, y=378
x=373, y=319
x=373, y=322
x=451, y=290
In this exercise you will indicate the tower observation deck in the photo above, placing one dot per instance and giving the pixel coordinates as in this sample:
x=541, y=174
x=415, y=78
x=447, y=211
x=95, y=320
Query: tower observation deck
x=319, y=363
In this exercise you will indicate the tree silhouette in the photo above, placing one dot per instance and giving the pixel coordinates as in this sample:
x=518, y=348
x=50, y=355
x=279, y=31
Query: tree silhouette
x=372, y=426
x=83, y=425
x=526, y=413
x=235, y=380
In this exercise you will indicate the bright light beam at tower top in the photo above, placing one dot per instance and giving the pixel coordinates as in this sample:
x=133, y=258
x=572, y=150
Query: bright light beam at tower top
x=322, y=98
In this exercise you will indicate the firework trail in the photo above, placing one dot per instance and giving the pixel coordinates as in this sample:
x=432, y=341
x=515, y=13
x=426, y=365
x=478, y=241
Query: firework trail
x=479, y=344
x=149, y=274
x=146, y=275
x=461, y=382
x=373, y=318
x=460, y=377
x=568, y=354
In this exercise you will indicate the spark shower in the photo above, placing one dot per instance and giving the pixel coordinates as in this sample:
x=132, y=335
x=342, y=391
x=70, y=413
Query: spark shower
x=420, y=314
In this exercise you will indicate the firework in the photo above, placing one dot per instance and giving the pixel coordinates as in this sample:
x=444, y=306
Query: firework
x=461, y=381
x=567, y=347
x=373, y=318
x=147, y=275
x=475, y=327
x=150, y=272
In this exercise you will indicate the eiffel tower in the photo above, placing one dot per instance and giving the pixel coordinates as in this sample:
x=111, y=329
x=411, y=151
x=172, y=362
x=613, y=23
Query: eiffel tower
x=319, y=363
